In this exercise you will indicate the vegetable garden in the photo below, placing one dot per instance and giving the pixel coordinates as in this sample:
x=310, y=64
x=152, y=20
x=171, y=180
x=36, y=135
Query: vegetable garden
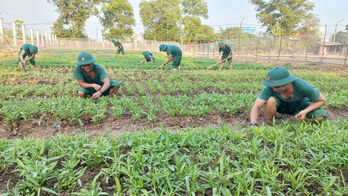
x=165, y=133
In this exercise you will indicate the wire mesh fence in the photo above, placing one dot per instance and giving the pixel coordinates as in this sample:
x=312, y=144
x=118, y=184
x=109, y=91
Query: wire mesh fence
x=257, y=47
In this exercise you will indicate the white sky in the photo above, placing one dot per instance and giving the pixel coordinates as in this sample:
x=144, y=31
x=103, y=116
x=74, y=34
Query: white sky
x=40, y=15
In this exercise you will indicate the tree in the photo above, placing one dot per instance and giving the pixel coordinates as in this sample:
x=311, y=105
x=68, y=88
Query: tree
x=233, y=33
x=19, y=24
x=192, y=11
x=72, y=16
x=342, y=37
x=117, y=19
x=205, y=34
x=309, y=30
x=160, y=19
x=282, y=17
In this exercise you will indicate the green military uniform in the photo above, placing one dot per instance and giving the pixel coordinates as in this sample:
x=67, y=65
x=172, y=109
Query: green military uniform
x=99, y=75
x=120, y=47
x=225, y=52
x=148, y=56
x=176, y=53
x=29, y=51
x=304, y=94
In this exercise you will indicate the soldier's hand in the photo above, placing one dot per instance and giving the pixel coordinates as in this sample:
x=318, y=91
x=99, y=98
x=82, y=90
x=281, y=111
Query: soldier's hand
x=96, y=95
x=96, y=87
x=301, y=115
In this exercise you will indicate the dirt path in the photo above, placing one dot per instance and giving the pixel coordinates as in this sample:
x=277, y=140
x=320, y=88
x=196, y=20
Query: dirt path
x=49, y=127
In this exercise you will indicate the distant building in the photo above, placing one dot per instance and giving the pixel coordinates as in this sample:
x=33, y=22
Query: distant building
x=249, y=30
x=332, y=47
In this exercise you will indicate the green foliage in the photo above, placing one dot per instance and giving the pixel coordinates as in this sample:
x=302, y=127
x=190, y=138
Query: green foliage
x=72, y=17
x=193, y=30
x=117, y=19
x=286, y=159
x=233, y=33
x=19, y=25
x=342, y=37
x=282, y=17
x=176, y=20
x=160, y=19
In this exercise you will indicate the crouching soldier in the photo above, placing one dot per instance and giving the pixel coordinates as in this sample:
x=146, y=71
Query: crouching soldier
x=92, y=78
x=30, y=51
x=284, y=93
x=148, y=57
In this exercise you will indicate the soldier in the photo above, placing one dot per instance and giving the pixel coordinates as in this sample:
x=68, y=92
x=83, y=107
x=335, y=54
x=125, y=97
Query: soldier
x=225, y=54
x=287, y=94
x=92, y=78
x=30, y=51
x=148, y=57
x=174, y=54
x=119, y=47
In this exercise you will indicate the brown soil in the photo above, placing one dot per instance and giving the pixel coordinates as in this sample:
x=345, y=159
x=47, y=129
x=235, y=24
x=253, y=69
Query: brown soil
x=49, y=127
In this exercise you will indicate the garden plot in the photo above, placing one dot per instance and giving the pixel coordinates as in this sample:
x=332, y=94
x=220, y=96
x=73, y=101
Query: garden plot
x=42, y=102
x=177, y=133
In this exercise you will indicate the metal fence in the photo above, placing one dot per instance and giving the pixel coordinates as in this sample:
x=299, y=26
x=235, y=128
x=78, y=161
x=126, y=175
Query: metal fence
x=259, y=47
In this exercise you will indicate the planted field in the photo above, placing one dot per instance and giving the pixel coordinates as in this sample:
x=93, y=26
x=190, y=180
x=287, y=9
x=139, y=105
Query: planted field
x=221, y=155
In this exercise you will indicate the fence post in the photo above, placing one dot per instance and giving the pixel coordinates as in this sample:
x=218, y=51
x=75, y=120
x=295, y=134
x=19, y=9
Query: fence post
x=24, y=35
x=37, y=38
x=345, y=59
x=322, y=53
x=42, y=39
x=50, y=38
x=46, y=38
x=31, y=36
x=2, y=37
x=293, y=50
x=14, y=32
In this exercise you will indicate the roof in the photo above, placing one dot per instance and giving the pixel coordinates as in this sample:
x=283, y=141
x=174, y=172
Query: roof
x=333, y=44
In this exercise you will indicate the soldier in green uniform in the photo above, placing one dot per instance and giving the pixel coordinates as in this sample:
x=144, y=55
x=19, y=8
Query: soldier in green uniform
x=30, y=51
x=174, y=54
x=119, y=46
x=92, y=78
x=225, y=53
x=287, y=94
x=148, y=57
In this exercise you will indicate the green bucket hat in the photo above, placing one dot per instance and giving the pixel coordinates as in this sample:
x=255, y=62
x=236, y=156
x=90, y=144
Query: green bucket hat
x=113, y=40
x=221, y=44
x=146, y=53
x=278, y=76
x=33, y=49
x=162, y=47
x=85, y=58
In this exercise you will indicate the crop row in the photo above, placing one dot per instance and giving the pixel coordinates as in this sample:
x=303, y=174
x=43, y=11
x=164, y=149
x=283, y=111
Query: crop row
x=288, y=159
x=336, y=95
x=129, y=61
x=129, y=89
x=74, y=108
x=57, y=75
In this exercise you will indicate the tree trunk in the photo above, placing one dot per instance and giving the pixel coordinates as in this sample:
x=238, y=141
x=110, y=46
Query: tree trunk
x=280, y=46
